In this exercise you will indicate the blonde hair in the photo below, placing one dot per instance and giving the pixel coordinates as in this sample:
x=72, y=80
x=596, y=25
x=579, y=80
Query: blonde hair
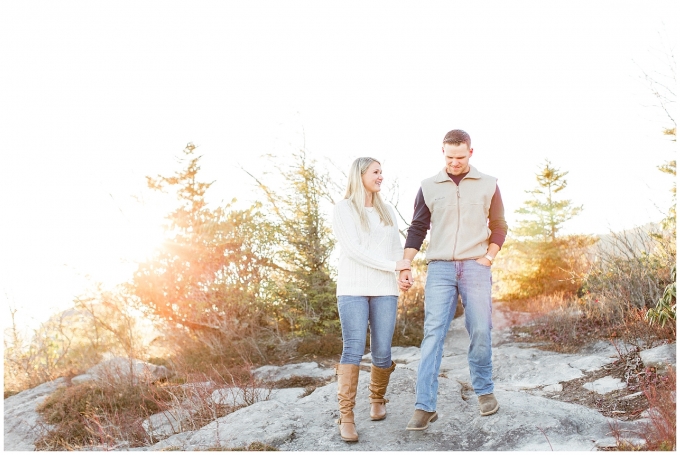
x=356, y=193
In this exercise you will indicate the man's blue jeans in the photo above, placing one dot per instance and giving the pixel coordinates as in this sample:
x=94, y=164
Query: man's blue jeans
x=356, y=313
x=445, y=279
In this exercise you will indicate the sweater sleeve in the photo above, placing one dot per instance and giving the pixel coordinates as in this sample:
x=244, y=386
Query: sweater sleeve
x=397, y=250
x=345, y=230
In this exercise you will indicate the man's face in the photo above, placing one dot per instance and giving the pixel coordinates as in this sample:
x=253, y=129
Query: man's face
x=457, y=158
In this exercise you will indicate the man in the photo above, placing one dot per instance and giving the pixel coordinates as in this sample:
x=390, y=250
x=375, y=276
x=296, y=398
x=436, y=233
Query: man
x=465, y=211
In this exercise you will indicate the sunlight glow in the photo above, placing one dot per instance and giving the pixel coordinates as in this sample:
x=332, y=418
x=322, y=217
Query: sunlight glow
x=90, y=112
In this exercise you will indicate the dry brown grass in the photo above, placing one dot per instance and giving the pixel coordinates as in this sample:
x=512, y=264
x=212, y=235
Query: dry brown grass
x=99, y=414
x=109, y=413
x=539, y=305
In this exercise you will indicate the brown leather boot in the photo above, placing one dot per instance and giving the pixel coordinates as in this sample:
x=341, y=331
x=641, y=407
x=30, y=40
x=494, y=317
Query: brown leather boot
x=380, y=377
x=348, y=379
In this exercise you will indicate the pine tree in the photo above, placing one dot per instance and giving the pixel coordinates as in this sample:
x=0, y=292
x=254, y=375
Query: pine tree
x=536, y=259
x=305, y=288
x=545, y=214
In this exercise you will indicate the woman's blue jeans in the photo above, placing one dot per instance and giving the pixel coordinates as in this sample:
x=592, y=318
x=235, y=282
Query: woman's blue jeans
x=445, y=280
x=357, y=313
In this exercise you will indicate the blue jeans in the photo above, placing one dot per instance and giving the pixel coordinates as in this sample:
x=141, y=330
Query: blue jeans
x=356, y=313
x=445, y=280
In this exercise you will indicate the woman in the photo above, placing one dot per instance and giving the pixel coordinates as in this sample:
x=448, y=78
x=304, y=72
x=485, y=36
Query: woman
x=367, y=290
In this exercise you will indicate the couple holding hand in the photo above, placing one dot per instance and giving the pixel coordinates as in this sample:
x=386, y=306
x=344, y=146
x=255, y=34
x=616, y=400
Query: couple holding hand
x=464, y=210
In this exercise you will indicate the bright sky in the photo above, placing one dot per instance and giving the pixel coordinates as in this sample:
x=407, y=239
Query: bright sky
x=96, y=95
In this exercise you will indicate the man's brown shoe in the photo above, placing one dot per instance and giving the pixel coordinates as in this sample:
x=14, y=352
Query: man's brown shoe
x=487, y=404
x=421, y=420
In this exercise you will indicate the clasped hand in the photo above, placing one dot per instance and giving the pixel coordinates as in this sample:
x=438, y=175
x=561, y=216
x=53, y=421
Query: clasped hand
x=405, y=280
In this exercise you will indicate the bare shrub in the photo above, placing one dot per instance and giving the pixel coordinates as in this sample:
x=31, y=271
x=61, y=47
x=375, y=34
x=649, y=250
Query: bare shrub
x=216, y=355
x=568, y=324
x=636, y=330
x=71, y=341
x=660, y=391
x=628, y=275
x=113, y=320
x=323, y=345
x=631, y=271
x=564, y=329
x=209, y=397
x=61, y=346
x=659, y=433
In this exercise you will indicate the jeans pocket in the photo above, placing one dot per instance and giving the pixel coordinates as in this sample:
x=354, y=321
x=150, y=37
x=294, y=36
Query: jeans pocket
x=488, y=267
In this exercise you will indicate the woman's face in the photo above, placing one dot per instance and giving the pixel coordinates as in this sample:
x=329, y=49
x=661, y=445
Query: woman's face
x=372, y=178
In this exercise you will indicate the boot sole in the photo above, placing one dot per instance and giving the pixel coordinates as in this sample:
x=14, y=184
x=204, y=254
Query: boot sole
x=379, y=418
x=433, y=418
x=488, y=413
x=349, y=440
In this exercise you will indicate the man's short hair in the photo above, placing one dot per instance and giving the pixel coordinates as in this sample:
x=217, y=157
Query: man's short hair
x=457, y=137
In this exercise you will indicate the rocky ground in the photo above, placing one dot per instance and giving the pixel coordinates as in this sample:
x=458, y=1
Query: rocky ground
x=548, y=401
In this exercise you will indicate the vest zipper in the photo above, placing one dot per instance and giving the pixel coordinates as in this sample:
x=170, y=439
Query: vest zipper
x=455, y=239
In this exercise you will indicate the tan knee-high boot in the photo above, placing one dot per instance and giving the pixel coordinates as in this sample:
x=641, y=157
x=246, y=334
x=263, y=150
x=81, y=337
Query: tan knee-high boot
x=380, y=377
x=348, y=379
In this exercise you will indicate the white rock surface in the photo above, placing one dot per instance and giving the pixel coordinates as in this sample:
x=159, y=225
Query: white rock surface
x=525, y=421
x=120, y=369
x=290, y=395
x=236, y=397
x=233, y=396
x=309, y=424
x=605, y=385
x=166, y=423
x=306, y=369
x=400, y=355
x=659, y=357
x=591, y=363
x=553, y=388
x=23, y=425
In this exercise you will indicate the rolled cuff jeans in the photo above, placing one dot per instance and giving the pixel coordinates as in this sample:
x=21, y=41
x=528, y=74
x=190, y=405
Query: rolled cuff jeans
x=357, y=313
x=445, y=280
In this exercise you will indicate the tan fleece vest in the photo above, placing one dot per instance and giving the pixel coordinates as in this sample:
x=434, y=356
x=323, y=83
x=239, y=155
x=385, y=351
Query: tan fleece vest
x=460, y=215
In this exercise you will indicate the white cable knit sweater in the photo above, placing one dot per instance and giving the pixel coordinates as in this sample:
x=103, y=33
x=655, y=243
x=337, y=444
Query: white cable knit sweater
x=367, y=259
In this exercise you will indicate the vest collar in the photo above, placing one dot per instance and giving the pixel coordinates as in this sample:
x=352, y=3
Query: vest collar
x=442, y=176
